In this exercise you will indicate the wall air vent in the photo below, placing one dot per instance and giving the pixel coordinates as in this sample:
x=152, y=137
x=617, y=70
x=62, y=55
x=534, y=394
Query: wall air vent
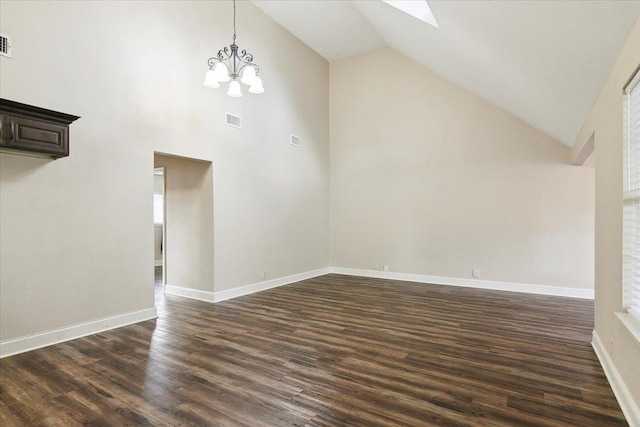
x=234, y=121
x=295, y=140
x=5, y=45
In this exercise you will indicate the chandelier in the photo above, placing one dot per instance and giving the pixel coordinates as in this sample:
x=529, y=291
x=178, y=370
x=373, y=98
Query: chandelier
x=230, y=64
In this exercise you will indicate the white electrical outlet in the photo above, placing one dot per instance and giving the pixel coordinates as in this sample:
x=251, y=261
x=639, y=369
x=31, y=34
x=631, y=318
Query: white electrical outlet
x=264, y=275
x=376, y=266
x=386, y=267
x=476, y=272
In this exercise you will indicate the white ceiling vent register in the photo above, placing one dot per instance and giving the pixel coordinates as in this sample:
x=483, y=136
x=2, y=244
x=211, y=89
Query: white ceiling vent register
x=295, y=140
x=5, y=45
x=233, y=120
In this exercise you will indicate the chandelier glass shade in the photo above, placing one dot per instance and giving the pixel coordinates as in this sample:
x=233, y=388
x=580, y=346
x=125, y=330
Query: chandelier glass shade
x=235, y=66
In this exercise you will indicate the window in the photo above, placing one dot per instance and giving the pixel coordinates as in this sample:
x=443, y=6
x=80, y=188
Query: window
x=158, y=208
x=631, y=209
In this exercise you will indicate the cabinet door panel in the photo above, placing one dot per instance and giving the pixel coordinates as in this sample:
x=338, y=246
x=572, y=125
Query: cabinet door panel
x=35, y=135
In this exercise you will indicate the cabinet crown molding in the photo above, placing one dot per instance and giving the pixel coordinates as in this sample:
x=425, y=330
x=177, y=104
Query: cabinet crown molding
x=34, y=131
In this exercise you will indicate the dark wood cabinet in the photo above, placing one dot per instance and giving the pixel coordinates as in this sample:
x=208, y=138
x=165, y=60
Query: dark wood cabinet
x=34, y=131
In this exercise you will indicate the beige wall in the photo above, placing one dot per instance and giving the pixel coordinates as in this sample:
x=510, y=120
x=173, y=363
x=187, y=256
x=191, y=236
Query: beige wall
x=77, y=233
x=189, y=222
x=430, y=179
x=606, y=121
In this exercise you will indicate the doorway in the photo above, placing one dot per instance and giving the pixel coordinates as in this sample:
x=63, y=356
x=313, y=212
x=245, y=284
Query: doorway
x=159, y=228
x=187, y=242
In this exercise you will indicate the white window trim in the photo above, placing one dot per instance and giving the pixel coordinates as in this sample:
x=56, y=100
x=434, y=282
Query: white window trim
x=630, y=321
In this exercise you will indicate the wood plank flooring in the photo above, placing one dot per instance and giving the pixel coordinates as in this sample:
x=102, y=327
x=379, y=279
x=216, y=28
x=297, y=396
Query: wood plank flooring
x=330, y=351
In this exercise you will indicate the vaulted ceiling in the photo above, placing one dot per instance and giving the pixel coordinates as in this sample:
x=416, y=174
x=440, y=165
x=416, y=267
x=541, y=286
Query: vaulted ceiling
x=543, y=61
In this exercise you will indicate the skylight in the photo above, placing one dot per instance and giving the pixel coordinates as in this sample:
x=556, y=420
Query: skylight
x=417, y=8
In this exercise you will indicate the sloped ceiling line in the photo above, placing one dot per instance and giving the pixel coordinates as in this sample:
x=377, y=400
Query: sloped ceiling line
x=542, y=61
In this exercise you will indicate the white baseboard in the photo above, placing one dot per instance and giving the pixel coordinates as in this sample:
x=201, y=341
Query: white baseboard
x=180, y=291
x=420, y=278
x=158, y=263
x=45, y=339
x=629, y=408
x=268, y=284
x=470, y=283
x=243, y=290
x=32, y=342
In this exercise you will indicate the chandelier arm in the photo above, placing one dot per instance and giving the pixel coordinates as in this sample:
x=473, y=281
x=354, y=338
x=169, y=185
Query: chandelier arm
x=246, y=57
x=244, y=54
x=246, y=60
x=229, y=68
x=242, y=67
x=212, y=61
x=249, y=64
x=225, y=51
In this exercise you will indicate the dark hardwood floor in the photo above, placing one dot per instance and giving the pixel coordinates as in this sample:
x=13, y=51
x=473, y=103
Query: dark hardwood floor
x=330, y=351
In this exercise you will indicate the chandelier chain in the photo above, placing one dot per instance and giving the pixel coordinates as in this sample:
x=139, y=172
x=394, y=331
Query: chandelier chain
x=234, y=21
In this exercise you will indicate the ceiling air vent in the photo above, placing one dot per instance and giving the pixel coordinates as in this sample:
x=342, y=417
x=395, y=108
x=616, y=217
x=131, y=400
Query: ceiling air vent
x=234, y=121
x=5, y=45
x=295, y=140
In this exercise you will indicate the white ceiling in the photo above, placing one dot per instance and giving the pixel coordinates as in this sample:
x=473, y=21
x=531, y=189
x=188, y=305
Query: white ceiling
x=543, y=61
